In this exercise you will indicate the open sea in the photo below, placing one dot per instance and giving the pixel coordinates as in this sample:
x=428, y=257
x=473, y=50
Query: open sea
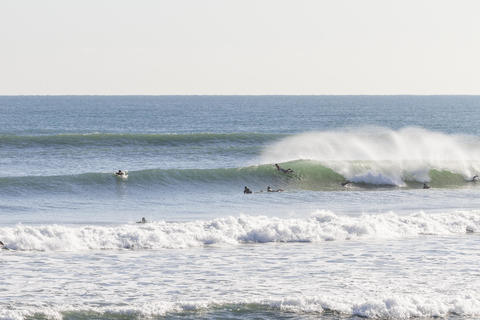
x=351, y=234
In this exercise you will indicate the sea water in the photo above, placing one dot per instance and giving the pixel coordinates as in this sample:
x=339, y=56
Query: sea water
x=353, y=233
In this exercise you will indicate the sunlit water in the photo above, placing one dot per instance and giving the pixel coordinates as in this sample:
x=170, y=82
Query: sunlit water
x=379, y=247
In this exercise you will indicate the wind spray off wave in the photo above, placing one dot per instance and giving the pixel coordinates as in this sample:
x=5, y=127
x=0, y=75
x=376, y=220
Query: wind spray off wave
x=377, y=155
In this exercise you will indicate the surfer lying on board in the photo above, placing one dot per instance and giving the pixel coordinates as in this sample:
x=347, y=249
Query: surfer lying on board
x=120, y=173
x=246, y=190
x=269, y=189
x=283, y=170
x=426, y=186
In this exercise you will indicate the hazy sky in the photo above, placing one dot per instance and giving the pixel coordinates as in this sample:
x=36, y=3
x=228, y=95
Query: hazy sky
x=239, y=47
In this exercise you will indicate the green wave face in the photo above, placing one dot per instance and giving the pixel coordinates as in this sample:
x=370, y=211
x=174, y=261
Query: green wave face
x=307, y=175
x=311, y=175
x=446, y=179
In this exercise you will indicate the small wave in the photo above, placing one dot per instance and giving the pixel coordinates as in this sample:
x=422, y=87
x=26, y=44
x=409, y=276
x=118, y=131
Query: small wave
x=118, y=140
x=322, y=226
x=410, y=306
x=143, y=178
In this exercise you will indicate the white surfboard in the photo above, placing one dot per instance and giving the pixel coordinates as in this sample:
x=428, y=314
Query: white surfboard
x=122, y=175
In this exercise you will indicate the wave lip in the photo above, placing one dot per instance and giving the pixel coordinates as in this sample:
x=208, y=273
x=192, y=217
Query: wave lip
x=321, y=226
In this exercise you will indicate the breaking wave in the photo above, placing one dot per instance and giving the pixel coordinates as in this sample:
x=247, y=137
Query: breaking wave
x=384, y=156
x=405, y=306
x=367, y=157
x=308, y=175
x=321, y=226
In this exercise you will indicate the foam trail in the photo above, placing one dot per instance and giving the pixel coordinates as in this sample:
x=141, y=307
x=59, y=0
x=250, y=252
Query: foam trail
x=321, y=226
x=380, y=155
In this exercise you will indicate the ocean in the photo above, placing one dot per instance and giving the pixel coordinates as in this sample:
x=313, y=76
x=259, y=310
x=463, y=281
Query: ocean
x=351, y=233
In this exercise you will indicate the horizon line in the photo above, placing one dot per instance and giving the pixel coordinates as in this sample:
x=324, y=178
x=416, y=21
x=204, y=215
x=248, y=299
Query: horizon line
x=232, y=95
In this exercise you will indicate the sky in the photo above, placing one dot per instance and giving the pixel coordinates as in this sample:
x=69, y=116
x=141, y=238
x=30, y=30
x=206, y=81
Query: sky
x=226, y=47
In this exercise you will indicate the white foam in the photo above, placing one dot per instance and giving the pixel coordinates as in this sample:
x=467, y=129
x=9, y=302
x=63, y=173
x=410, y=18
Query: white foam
x=389, y=307
x=321, y=226
x=381, y=155
x=30, y=312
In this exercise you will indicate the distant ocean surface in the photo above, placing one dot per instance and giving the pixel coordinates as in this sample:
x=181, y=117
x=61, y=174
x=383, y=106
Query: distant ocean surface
x=352, y=233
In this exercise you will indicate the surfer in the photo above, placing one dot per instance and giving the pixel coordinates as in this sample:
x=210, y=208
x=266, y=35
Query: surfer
x=269, y=189
x=143, y=220
x=346, y=183
x=246, y=190
x=426, y=186
x=475, y=178
x=121, y=174
x=283, y=170
x=3, y=246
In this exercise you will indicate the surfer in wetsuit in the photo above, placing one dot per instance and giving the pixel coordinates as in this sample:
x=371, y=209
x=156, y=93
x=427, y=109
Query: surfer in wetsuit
x=269, y=189
x=143, y=220
x=119, y=173
x=475, y=178
x=426, y=186
x=246, y=190
x=283, y=170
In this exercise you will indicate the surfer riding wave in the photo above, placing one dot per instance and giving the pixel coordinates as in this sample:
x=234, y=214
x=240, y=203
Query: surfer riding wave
x=283, y=170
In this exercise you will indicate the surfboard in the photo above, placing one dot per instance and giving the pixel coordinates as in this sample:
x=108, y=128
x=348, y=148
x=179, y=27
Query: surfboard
x=123, y=175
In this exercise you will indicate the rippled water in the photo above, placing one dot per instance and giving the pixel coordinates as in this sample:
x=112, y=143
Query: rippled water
x=379, y=247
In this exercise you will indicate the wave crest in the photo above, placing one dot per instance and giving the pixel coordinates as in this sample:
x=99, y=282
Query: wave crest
x=321, y=226
x=380, y=155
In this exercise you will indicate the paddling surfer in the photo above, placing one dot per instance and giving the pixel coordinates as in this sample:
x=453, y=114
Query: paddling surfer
x=269, y=189
x=247, y=190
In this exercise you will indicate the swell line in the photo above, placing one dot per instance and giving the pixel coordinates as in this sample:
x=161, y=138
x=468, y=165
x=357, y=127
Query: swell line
x=306, y=175
x=115, y=139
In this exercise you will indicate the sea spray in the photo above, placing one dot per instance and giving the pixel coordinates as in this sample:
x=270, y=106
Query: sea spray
x=378, y=155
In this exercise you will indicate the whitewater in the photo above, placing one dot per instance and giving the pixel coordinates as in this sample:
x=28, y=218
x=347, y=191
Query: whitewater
x=353, y=233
